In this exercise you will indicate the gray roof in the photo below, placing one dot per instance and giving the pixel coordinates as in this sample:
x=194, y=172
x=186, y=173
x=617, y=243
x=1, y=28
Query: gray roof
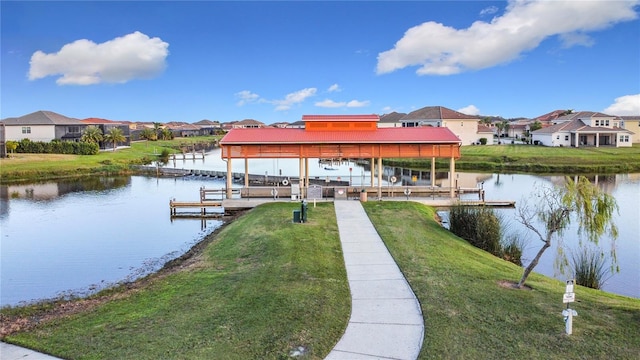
x=578, y=125
x=437, y=113
x=582, y=115
x=42, y=118
x=393, y=117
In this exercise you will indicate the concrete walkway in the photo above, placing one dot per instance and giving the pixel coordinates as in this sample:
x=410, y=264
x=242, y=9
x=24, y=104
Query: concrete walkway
x=12, y=352
x=386, y=320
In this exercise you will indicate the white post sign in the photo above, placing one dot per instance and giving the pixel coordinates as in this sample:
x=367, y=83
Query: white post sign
x=569, y=297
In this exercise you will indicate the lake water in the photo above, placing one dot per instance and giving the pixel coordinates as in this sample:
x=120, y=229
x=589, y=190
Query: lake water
x=80, y=236
x=77, y=237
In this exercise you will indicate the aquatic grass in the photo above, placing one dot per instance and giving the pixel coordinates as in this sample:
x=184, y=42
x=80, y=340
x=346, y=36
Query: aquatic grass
x=589, y=267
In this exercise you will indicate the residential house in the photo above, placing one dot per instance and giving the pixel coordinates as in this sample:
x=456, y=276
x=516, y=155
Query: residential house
x=391, y=120
x=3, y=144
x=280, y=125
x=43, y=126
x=296, y=125
x=208, y=127
x=105, y=126
x=248, y=124
x=584, y=128
x=464, y=126
x=485, y=132
x=185, y=130
x=632, y=123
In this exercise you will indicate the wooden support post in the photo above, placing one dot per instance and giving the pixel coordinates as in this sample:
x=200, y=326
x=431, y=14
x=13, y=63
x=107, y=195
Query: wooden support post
x=433, y=171
x=229, y=178
x=380, y=177
x=452, y=175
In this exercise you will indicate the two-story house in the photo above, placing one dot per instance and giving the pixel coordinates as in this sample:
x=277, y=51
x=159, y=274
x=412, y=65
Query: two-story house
x=43, y=126
x=464, y=126
x=584, y=128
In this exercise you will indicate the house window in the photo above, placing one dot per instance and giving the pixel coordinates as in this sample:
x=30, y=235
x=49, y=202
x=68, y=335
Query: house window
x=461, y=123
x=566, y=138
x=606, y=123
x=557, y=137
x=597, y=122
x=624, y=138
x=26, y=129
x=73, y=129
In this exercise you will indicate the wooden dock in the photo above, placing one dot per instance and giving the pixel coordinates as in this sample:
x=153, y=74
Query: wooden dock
x=187, y=156
x=201, y=205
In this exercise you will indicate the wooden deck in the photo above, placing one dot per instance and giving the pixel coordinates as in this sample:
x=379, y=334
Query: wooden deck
x=201, y=205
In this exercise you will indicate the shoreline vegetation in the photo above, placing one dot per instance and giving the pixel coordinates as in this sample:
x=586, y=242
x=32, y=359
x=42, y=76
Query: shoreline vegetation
x=494, y=158
x=264, y=287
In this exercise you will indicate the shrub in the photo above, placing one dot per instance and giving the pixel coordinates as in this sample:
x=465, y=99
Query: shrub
x=57, y=147
x=483, y=141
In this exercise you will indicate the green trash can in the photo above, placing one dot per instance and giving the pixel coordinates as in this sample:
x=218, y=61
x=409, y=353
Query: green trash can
x=296, y=216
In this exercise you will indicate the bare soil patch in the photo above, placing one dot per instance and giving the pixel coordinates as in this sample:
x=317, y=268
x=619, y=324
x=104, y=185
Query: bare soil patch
x=507, y=284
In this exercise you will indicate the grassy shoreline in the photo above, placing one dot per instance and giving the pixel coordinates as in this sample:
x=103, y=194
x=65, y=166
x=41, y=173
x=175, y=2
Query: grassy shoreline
x=496, y=158
x=539, y=159
x=264, y=286
x=37, y=167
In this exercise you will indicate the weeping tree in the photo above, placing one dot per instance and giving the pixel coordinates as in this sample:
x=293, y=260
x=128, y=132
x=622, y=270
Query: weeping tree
x=555, y=207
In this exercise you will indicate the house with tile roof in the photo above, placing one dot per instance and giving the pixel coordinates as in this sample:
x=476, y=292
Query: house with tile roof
x=43, y=126
x=584, y=128
x=464, y=126
x=105, y=126
x=485, y=132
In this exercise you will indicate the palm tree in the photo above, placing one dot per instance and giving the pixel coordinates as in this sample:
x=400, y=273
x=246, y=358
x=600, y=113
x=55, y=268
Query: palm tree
x=166, y=134
x=149, y=134
x=92, y=134
x=156, y=129
x=115, y=136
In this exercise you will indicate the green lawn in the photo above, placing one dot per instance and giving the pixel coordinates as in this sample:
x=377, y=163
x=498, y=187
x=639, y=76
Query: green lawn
x=265, y=286
x=36, y=167
x=541, y=159
x=468, y=315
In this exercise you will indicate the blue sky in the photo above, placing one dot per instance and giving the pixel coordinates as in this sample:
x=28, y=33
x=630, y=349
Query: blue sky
x=276, y=61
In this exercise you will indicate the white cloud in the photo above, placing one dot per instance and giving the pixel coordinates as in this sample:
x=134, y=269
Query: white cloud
x=357, y=103
x=334, y=88
x=624, y=105
x=443, y=50
x=293, y=98
x=489, y=11
x=83, y=62
x=328, y=103
x=246, y=97
x=470, y=110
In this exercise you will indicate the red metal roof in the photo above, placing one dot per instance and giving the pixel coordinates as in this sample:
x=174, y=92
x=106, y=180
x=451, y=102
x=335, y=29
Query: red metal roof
x=380, y=136
x=341, y=118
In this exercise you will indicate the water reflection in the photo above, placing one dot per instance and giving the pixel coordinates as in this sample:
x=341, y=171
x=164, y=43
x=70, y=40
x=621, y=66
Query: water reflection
x=84, y=235
x=92, y=234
